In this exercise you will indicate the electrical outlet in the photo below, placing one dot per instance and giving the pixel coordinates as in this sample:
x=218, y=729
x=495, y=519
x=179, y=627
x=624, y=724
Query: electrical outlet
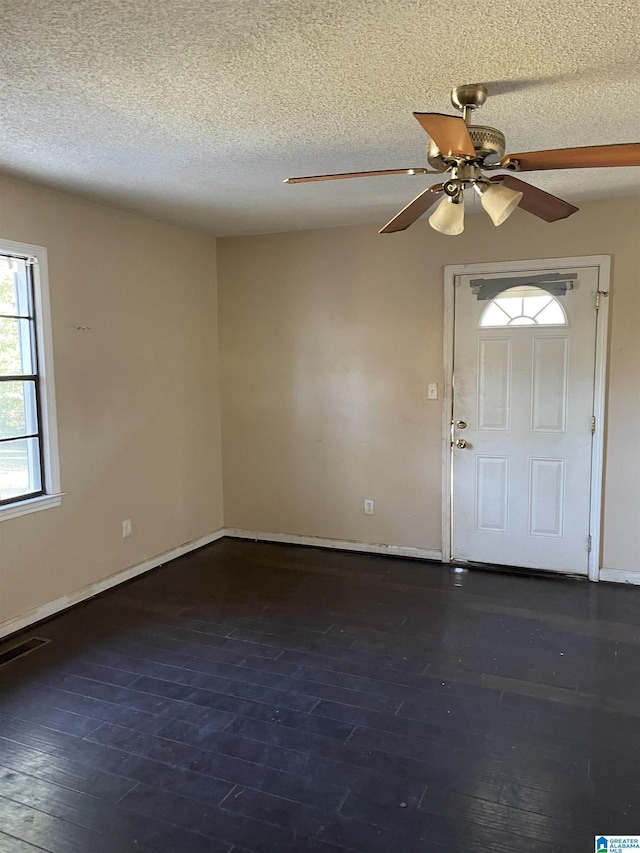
x=126, y=528
x=432, y=391
x=369, y=506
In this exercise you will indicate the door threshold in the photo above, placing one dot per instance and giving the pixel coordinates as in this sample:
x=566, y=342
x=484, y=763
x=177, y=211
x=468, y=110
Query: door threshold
x=516, y=570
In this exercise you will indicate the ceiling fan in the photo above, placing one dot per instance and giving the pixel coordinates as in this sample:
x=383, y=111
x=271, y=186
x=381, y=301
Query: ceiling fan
x=469, y=151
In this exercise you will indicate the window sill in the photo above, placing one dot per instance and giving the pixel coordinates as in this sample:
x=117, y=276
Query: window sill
x=30, y=505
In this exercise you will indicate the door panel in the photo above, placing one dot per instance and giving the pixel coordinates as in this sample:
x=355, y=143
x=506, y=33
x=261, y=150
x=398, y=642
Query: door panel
x=492, y=493
x=549, y=404
x=494, y=384
x=523, y=385
x=546, y=497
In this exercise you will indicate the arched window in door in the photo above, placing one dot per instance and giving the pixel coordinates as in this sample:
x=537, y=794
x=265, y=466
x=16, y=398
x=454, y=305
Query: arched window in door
x=523, y=306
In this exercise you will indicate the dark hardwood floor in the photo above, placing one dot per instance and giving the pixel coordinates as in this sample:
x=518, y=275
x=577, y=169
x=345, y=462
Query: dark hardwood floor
x=270, y=698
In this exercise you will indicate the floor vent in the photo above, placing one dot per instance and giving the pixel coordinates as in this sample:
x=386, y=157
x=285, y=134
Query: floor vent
x=22, y=649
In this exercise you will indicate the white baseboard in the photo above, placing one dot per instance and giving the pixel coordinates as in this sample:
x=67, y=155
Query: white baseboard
x=31, y=617
x=619, y=576
x=18, y=623
x=339, y=544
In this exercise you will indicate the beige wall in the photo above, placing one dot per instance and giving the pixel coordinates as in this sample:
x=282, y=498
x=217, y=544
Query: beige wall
x=135, y=348
x=328, y=341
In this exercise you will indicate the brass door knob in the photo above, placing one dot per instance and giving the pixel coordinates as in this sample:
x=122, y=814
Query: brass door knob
x=461, y=442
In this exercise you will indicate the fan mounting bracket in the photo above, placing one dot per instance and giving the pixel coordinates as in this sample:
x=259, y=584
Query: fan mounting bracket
x=510, y=165
x=469, y=97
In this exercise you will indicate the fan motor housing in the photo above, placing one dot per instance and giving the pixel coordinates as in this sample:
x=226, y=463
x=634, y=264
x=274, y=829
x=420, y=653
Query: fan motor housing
x=488, y=142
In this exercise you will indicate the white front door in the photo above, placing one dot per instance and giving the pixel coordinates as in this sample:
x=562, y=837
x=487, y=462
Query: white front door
x=523, y=401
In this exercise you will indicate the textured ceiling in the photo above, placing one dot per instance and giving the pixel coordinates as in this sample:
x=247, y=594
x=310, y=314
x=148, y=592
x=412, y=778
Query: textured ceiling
x=193, y=111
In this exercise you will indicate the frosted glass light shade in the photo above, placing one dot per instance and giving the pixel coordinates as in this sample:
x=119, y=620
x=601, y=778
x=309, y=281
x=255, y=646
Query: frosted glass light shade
x=448, y=217
x=499, y=201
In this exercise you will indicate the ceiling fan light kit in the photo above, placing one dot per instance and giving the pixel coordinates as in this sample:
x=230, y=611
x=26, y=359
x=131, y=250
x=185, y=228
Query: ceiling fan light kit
x=448, y=217
x=467, y=151
x=498, y=201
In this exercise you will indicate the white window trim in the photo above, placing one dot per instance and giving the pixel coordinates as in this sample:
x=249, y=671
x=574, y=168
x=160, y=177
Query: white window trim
x=49, y=426
x=534, y=322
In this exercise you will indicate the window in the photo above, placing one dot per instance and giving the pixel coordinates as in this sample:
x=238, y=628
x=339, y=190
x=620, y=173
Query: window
x=523, y=306
x=29, y=474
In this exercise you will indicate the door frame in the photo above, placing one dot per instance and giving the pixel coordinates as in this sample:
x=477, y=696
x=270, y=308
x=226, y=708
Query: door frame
x=603, y=263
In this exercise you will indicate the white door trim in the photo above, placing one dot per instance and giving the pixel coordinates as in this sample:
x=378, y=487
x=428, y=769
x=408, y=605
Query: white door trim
x=603, y=262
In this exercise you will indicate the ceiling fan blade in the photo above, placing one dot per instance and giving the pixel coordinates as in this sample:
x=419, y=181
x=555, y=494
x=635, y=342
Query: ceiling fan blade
x=540, y=203
x=416, y=171
x=590, y=157
x=518, y=84
x=449, y=133
x=413, y=210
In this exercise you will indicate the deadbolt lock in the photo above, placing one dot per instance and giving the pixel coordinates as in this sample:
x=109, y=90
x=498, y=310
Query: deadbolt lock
x=461, y=424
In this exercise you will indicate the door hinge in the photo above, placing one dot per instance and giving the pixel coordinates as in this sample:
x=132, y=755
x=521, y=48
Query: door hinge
x=589, y=542
x=593, y=423
x=597, y=299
